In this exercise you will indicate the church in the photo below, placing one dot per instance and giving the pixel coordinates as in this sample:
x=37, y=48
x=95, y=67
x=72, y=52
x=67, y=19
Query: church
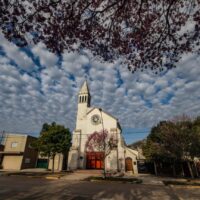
x=91, y=120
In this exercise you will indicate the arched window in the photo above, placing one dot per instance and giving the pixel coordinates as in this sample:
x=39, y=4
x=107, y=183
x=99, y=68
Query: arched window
x=80, y=99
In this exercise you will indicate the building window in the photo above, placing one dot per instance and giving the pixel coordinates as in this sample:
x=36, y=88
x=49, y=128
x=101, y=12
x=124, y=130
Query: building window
x=14, y=144
x=27, y=160
x=80, y=99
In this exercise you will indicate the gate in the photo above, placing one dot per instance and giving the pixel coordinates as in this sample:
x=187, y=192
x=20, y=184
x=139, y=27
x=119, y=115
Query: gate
x=42, y=163
x=94, y=160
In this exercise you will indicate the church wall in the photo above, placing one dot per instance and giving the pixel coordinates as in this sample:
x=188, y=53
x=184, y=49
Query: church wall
x=115, y=159
x=108, y=122
x=72, y=159
x=129, y=153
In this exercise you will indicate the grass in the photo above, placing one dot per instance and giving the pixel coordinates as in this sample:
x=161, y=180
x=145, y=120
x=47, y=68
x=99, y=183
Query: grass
x=119, y=179
x=181, y=183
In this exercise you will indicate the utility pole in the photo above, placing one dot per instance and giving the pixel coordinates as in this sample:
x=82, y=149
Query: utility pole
x=104, y=145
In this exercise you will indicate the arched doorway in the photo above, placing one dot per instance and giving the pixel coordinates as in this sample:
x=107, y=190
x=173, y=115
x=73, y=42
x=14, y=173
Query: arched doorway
x=128, y=164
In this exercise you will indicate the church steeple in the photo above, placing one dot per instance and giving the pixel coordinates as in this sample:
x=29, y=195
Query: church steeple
x=84, y=94
x=83, y=103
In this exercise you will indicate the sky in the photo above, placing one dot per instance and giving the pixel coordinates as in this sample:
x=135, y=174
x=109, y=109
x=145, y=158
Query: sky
x=36, y=86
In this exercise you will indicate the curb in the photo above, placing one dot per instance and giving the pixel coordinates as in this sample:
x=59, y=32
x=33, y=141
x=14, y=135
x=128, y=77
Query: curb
x=44, y=177
x=52, y=178
x=185, y=186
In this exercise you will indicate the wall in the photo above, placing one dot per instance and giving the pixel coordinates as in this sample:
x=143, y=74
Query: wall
x=12, y=162
x=58, y=162
x=13, y=155
x=73, y=159
x=20, y=141
x=77, y=155
x=30, y=154
x=1, y=155
x=133, y=155
x=18, y=153
x=88, y=128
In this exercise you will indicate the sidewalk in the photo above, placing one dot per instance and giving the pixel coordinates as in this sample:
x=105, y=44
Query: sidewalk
x=80, y=175
x=34, y=173
x=77, y=175
x=149, y=179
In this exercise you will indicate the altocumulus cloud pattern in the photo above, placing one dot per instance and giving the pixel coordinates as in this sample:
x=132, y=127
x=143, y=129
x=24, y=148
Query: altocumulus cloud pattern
x=36, y=86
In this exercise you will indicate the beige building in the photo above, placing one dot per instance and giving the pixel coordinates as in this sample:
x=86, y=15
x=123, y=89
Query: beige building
x=17, y=152
x=58, y=162
x=44, y=162
x=91, y=119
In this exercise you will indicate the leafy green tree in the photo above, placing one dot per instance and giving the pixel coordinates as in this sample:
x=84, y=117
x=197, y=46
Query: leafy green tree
x=53, y=139
x=173, y=142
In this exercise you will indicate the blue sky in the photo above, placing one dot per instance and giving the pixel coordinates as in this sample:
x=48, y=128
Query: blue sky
x=36, y=86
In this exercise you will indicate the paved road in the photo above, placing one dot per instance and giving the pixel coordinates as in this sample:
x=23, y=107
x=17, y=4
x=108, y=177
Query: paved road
x=20, y=187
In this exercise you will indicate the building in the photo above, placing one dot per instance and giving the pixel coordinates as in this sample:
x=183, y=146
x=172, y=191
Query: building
x=44, y=162
x=16, y=152
x=90, y=119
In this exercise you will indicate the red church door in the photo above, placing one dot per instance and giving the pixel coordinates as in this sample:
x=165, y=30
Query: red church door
x=94, y=160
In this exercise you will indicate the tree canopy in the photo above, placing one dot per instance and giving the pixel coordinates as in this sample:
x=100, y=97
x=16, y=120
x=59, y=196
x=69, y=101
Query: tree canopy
x=53, y=139
x=145, y=34
x=174, y=141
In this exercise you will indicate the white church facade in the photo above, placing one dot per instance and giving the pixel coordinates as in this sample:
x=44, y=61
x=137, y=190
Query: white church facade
x=89, y=120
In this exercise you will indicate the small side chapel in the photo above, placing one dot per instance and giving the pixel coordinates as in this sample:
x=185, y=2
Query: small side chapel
x=90, y=119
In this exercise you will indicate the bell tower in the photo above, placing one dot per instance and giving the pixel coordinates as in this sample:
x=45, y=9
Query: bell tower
x=83, y=102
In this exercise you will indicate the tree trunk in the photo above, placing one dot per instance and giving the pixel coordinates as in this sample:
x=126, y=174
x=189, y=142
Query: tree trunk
x=174, y=169
x=182, y=170
x=65, y=158
x=155, y=168
x=53, y=162
x=196, y=170
x=48, y=162
x=190, y=169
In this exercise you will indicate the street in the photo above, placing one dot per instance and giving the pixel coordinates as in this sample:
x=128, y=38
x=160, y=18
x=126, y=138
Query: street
x=21, y=187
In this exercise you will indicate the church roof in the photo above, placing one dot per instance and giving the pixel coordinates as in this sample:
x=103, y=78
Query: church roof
x=84, y=89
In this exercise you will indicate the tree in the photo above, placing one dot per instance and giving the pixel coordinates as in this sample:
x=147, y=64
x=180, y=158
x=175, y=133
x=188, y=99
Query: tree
x=101, y=142
x=174, y=141
x=147, y=34
x=53, y=139
x=137, y=145
x=195, y=149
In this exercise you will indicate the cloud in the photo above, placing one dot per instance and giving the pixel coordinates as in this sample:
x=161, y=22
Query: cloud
x=46, y=58
x=21, y=59
x=140, y=100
